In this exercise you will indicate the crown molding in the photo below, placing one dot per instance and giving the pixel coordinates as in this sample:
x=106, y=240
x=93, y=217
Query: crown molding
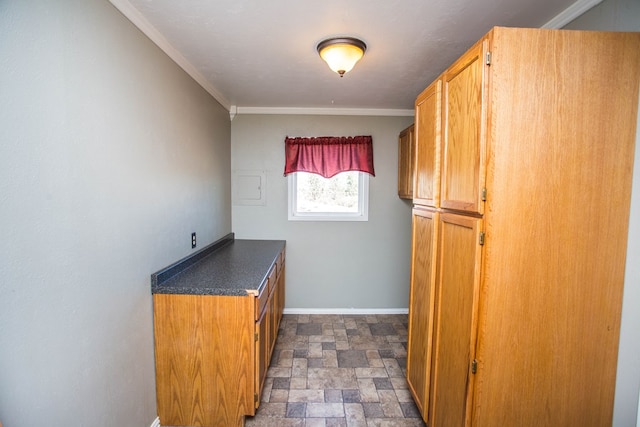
x=136, y=18
x=326, y=111
x=571, y=13
x=133, y=15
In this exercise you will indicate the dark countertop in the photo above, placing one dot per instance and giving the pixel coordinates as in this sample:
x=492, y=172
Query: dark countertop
x=226, y=267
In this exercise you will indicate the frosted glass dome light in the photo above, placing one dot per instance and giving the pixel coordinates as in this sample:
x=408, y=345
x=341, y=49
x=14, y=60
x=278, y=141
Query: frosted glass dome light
x=341, y=53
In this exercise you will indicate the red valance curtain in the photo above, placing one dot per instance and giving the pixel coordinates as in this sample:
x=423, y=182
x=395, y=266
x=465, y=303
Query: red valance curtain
x=329, y=155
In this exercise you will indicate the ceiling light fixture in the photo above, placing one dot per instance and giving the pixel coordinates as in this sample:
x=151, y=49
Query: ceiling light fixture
x=341, y=53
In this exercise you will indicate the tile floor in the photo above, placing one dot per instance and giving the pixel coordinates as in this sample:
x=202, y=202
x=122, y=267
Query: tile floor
x=338, y=371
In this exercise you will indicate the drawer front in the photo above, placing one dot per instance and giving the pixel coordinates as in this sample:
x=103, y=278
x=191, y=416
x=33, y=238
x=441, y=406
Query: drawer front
x=279, y=262
x=261, y=300
x=272, y=278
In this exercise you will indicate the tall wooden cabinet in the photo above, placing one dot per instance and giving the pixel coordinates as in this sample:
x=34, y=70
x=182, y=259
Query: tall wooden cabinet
x=519, y=240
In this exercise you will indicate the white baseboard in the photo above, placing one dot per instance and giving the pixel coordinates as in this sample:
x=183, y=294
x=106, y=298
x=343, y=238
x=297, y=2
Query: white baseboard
x=156, y=422
x=351, y=311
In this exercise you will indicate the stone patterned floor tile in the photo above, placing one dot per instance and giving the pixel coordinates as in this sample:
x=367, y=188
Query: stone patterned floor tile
x=372, y=410
x=299, y=367
x=383, y=384
x=410, y=410
x=367, y=390
x=390, y=405
x=295, y=409
x=331, y=378
x=315, y=422
x=399, y=383
x=352, y=359
x=371, y=373
x=403, y=395
x=260, y=421
x=336, y=422
x=393, y=367
x=338, y=371
x=350, y=396
x=298, y=383
x=279, y=396
x=309, y=329
x=382, y=329
x=325, y=410
x=306, y=395
x=354, y=415
x=394, y=422
x=334, y=396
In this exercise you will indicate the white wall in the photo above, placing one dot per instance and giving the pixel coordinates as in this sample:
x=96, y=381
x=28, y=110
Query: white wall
x=330, y=265
x=110, y=156
x=624, y=15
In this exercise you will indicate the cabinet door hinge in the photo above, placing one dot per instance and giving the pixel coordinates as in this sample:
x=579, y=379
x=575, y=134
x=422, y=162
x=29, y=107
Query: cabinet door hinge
x=481, y=238
x=488, y=58
x=474, y=366
x=256, y=337
x=483, y=194
x=255, y=397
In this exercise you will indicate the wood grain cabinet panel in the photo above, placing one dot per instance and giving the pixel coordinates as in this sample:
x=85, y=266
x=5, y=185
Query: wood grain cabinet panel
x=213, y=351
x=426, y=187
x=406, y=161
x=457, y=287
x=523, y=326
x=422, y=302
x=463, y=141
x=205, y=359
x=262, y=354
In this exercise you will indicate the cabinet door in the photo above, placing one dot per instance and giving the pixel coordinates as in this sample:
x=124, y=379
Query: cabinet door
x=274, y=318
x=457, y=287
x=262, y=353
x=406, y=162
x=281, y=292
x=421, y=306
x=272, y=311
x=205, y=359
x=426, y=185
x=464, y=114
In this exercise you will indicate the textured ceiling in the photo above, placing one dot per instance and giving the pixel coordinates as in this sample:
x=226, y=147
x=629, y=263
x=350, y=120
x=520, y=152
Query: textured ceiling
x=262, y=54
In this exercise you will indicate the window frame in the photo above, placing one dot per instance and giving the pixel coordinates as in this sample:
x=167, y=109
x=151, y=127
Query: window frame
x=363, y=203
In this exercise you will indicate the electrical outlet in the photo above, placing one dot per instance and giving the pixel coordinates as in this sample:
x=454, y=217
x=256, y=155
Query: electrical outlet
x=193, y=240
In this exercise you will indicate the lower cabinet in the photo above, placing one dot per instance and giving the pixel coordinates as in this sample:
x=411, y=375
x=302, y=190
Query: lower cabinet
x=442, y=314
x=212, y=353
x=455, y=319
x=421, y=303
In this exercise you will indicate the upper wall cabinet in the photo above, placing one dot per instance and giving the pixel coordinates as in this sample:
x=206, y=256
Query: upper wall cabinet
x=463, y=148
x=426, y=189
x=406, y=162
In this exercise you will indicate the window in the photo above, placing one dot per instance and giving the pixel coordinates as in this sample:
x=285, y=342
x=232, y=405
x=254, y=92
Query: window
x=329, y=177
x=343, y=197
